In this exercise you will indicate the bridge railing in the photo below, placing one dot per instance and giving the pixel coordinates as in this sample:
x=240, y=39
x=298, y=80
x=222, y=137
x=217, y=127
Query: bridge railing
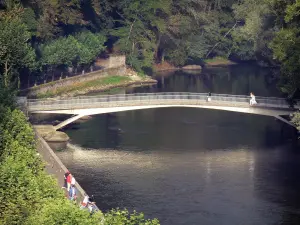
x=149, y=98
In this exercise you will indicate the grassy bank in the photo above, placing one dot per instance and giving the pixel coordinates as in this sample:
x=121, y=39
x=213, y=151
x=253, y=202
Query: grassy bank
x=89, y=85
x=218, y=61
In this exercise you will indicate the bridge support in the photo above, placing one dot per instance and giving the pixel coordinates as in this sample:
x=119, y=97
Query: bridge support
x=68, y=121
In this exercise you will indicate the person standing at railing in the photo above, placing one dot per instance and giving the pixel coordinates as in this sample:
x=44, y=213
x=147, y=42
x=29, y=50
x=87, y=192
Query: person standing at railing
x=252, y=100
x=209, y=97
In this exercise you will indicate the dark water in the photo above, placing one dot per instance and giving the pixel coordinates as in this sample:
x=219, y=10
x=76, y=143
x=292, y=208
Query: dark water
x=191, y=166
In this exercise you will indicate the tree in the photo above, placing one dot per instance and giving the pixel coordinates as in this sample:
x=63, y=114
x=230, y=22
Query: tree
x=63, y=51
x=89, y=46
x=71, y=51
x=285, y=44
x=57, y=17
x=15, y=49
x=143, y=22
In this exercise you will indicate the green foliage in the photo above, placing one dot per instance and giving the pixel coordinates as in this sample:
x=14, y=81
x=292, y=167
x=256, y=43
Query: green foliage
x=89, y=46
x=27, y=194
x=142, y=24
x=285, y=44
x=292, y=11
x=29, y=19
x=61, y=211
x=15, y=49
x=296, y=119
x=72, y=50
x=62, y=51
x=118, y=217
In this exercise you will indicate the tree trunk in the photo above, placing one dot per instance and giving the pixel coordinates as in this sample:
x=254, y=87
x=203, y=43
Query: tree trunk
x=132, y=49
x=130, y=30
x=5, y=80
x=220, y=42
x=28, y=81
x=156, y=56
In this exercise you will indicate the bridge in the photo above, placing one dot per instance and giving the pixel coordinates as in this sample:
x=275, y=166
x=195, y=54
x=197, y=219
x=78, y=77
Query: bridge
x=91, y=105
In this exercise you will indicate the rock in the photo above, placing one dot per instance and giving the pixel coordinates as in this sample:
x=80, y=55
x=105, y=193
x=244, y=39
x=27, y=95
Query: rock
x=192, y=67
x=50, y=134
x=57, y=136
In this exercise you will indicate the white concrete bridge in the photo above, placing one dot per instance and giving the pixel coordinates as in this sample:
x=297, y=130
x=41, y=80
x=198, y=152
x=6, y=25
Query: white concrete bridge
x=91, y=105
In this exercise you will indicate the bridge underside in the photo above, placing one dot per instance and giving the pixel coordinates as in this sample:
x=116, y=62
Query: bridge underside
x=93, y=111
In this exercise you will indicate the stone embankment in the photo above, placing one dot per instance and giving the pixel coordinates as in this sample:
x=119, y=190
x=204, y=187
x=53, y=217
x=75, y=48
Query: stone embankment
x=54, y=166
x=97, y=81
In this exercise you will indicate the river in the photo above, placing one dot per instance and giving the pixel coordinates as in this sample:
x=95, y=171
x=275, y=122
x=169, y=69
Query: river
x=192, y=166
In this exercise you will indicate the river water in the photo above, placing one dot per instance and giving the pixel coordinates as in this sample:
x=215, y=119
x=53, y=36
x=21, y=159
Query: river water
x=192, y=166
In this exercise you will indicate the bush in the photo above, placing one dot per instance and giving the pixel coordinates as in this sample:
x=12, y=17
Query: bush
x=118, y=217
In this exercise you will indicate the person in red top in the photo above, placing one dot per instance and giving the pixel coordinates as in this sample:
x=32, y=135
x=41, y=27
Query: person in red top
x=69, y=179
x=65, y=179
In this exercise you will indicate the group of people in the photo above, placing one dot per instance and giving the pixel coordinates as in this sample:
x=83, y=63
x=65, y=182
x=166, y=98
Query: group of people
x=252, y=98
x=69, y=186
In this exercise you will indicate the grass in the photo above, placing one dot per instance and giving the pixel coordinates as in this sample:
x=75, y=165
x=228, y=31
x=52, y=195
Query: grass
x=102, y=82
x=218, y=60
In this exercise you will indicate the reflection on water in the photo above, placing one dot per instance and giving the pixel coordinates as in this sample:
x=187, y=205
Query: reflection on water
x=237, y=80
x=190, y=166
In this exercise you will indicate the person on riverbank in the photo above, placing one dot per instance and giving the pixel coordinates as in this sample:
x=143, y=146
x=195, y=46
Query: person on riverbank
x=73, y=181
x=69, y=180
x=65, y=179
x=92, y=207
x=72, y=193
x=252, y=100
x=84, y=202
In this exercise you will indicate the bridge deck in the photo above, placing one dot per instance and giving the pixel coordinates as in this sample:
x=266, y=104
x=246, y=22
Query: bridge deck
x=153, y=99
x=114, y=103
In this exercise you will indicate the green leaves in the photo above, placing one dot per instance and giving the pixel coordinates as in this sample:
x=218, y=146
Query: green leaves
x=61, y=211
x=118, y=217
x=296, y=119
x=89, y=46
x=285, y=44
x=15, y=51
x=62, y=51
x=82, y=48
x=143, y=22
x=292, y=11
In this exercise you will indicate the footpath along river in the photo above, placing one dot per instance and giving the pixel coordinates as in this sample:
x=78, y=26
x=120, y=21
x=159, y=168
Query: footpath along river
x=192, y=166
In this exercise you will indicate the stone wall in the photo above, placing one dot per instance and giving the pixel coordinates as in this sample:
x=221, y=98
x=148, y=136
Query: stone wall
x=112, y=62
x=44, y=88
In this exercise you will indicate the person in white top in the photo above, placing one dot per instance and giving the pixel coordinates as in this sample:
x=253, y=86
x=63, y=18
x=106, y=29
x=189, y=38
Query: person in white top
x=252, y=100
x=73, y=181
x=84, y=202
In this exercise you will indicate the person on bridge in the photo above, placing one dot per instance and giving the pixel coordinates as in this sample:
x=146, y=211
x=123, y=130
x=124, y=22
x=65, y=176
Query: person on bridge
x=252, y=100
x=209, y=97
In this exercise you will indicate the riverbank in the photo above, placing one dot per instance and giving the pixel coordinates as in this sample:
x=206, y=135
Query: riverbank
x=214, y=62
x=102, y=84
x=218, y=61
